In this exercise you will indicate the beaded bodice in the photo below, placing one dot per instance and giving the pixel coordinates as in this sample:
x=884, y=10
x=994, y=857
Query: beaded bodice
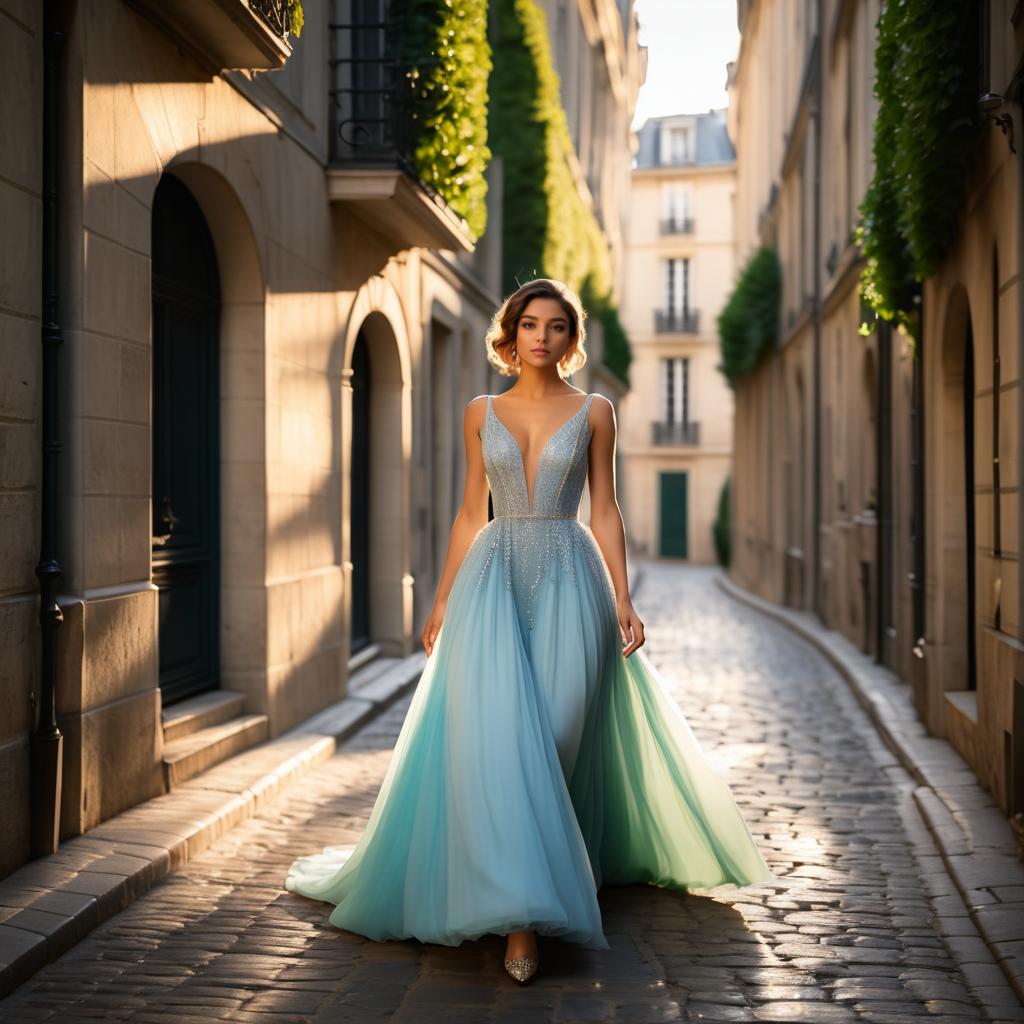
x=560, y=474
x=540, y=540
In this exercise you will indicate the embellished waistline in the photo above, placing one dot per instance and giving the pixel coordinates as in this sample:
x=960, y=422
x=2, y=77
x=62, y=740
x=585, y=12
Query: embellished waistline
x=536, y=515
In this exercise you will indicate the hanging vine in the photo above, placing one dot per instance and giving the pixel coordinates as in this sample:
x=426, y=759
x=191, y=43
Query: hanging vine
x=446, y=59
x=925, y=138
x=550, y=231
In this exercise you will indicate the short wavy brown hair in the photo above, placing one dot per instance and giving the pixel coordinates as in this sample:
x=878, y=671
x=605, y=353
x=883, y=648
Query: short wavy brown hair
x=501, y=337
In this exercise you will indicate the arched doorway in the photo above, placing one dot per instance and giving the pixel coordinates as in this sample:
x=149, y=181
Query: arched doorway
x=186, y=464
x=377, y=504
x=969, y=513
x=959, y=616
x=796, y=574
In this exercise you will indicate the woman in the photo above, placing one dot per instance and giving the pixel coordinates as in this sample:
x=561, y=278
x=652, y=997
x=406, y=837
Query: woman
x=539, y=757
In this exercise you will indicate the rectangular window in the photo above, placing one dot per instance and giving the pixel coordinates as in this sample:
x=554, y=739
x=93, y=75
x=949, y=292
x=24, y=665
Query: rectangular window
x=679, y=146
x=677, y=287
x=675, y=376
x=676, y=202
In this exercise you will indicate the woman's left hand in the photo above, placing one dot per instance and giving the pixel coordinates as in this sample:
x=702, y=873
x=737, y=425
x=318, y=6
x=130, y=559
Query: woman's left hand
x=631, y=627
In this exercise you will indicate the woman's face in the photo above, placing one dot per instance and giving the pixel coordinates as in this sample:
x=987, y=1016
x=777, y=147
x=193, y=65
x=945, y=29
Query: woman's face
x=543, y=333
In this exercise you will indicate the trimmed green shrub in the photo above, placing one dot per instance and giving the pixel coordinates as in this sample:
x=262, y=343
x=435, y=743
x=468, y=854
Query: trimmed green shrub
x=617, y=352
x=749, y=323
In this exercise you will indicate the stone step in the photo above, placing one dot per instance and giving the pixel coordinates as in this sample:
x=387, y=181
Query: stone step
x=189, y=716
x=186, y=757
x=126, y=855
x=369, y=672
x=363, y=657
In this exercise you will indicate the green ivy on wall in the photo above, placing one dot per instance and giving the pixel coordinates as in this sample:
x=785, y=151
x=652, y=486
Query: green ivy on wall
x=617, y=352
x=549, y=230
x=925, y=137
x=749, y=323
x=296, y=19
x=447, y=60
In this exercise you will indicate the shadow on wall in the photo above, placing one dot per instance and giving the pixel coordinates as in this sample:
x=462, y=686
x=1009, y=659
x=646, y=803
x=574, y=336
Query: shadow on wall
x=286, y=333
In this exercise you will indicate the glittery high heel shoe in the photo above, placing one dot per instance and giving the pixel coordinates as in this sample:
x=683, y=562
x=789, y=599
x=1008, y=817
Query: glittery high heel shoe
x=521, y=968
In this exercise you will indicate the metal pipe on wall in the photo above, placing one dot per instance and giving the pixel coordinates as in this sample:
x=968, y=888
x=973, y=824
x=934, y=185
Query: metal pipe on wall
x=818, y=92
x=46, y=745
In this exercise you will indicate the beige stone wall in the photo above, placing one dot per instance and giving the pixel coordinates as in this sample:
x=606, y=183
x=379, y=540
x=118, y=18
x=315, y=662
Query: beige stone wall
x=977, y=293
x=299, y=279
x=775, y=406
x=20, y=302
x=596, y=56
x=710, y=249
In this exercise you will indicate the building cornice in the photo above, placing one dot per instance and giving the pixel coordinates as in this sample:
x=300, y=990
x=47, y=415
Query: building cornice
x=841, y=22
x=845, y=279
x=746, y=10
x=602, y=24
x=685, y=170
x=657, y=345
x=680, y=454
x=795, y=136
x=802, y=321
x=459, y=276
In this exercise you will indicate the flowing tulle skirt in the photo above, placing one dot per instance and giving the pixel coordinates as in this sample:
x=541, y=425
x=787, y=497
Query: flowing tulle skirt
x=535, y=763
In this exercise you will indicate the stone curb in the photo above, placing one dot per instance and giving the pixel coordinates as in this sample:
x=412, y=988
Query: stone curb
x=49, y=904
x=970, y=831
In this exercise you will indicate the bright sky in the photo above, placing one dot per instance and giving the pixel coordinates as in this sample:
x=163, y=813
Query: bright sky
x=688, y=42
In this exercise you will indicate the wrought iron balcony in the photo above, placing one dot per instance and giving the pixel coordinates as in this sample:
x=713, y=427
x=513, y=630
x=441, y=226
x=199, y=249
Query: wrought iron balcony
x=226, y=34
x=677, y=226
x=372, y=122
x=677, y=321
x=664, y=434
x=276, y=13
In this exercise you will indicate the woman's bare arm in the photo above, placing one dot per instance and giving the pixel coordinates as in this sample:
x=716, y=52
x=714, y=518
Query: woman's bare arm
x=471, y=517
x=606, y=518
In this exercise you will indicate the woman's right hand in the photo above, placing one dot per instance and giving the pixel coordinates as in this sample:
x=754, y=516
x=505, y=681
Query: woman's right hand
x=432, y=628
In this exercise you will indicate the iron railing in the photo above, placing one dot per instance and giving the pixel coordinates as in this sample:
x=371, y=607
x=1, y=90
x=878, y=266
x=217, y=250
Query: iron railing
x=276, y=14
x=676, y=321
x=677, y=226
x=687, y=433
x=370, y=98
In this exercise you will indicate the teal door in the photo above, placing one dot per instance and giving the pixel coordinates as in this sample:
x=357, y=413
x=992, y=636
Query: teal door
x=673, y=518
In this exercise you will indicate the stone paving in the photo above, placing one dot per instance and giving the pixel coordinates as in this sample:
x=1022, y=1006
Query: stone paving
x=863, y=924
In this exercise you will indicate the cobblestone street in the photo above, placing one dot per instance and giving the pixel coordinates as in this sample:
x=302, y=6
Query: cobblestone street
x=864, y=925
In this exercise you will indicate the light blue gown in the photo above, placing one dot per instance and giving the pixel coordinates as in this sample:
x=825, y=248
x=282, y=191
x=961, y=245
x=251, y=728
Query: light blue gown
x=536, y=761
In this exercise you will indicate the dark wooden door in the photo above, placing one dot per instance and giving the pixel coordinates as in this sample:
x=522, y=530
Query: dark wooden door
x=673, y=515
x=186, y=462
x=969, y=513
x=359, y=506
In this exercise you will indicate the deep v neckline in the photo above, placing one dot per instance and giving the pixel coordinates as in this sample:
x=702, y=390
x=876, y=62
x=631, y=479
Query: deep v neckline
x=543, y=451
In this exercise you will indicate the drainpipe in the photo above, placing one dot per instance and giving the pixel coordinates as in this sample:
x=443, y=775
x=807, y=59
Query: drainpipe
x=816, y=363
x=46, y=745
x=918, y=596
x=883, y=488
x=1015, y=95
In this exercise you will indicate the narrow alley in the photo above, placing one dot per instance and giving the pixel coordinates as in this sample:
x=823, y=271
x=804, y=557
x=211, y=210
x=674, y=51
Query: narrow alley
x=852, y=931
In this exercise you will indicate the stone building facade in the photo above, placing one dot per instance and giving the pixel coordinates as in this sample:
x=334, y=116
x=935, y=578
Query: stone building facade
x=677, y=418
x=874, y=485
x=268, y=346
